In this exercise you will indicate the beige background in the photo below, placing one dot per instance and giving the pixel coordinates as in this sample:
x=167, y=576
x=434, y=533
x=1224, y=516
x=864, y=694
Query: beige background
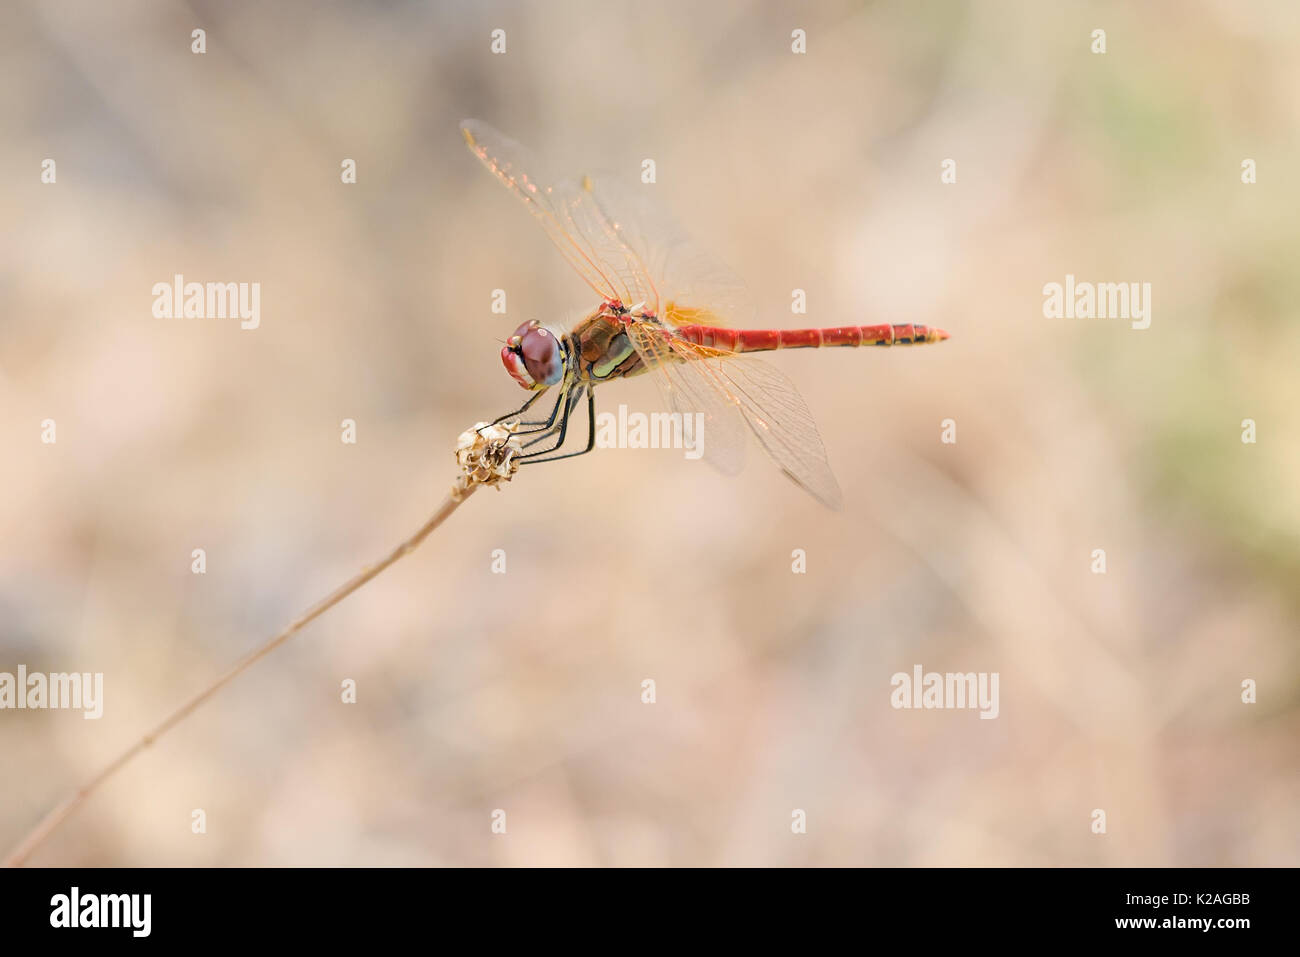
x=521, y=691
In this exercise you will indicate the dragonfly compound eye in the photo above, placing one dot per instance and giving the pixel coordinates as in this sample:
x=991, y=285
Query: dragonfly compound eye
x=533, y=356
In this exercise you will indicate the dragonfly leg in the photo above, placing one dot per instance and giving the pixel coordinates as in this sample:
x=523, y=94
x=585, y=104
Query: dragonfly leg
x=544, y=425
x=547, y=431
x=591, y=435
x=563, y=429
x=540, y=425
x=519, y=411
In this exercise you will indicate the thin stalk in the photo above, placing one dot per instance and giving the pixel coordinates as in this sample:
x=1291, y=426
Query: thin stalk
x=59, y=814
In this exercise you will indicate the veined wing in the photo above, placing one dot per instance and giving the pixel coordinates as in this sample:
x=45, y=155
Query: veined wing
x=585, y=236
x=723, y=432
x=692, y=285
x=617, y=239
x=723, y=385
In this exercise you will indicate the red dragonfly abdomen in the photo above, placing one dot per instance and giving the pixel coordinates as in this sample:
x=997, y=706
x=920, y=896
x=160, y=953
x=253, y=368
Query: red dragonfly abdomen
x=765, y=340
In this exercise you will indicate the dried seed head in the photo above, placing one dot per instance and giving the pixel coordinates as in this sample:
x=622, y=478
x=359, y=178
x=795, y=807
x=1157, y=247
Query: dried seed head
x=487, y=454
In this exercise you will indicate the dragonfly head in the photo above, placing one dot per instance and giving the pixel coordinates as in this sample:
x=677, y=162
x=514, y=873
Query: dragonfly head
x=534, y=356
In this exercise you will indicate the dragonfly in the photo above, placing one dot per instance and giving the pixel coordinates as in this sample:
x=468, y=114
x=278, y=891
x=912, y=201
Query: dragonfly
x=667, y=309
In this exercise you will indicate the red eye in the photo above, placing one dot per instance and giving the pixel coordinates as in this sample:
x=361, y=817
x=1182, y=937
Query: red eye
x=533, y=356
x=541, y=352
x=538, y=346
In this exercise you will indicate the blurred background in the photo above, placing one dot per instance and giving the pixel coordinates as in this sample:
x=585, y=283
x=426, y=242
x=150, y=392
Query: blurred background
x=522, y=691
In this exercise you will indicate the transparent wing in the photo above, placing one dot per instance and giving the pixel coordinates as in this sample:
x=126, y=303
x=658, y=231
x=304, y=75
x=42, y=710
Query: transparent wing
x=722, y=384
x=693, y=285
x=586, y=236
x=616, y=238
x=723, y=432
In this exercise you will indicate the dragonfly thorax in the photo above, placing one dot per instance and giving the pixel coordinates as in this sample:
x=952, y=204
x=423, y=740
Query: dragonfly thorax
x=535, y=356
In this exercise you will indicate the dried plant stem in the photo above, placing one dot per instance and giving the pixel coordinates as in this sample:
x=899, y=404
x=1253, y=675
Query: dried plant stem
x=59, y=814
